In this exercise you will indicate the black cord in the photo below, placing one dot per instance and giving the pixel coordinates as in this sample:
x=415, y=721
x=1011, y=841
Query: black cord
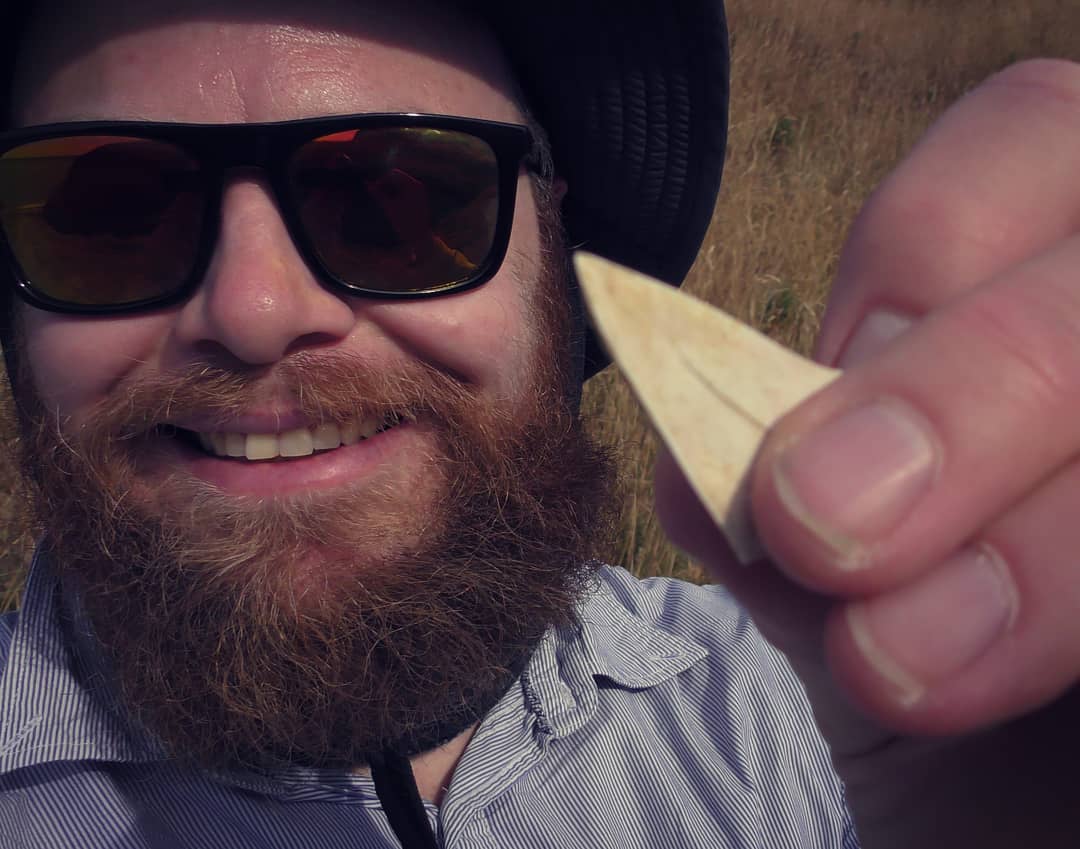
x=395, y=785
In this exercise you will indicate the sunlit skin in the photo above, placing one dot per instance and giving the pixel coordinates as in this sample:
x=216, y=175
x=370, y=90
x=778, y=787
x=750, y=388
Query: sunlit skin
x=259, y=303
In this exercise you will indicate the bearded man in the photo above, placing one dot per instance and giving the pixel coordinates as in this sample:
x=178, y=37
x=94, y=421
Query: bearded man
x=296, y=356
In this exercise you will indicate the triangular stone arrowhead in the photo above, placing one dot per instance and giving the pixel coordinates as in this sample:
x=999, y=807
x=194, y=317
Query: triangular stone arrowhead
x=711, y=385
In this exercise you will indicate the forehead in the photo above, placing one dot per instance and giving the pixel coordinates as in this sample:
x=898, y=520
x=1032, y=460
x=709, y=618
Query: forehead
x=258, y=61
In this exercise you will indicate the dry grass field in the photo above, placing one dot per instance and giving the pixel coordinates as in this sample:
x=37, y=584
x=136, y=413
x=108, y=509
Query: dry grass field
x=827, y=96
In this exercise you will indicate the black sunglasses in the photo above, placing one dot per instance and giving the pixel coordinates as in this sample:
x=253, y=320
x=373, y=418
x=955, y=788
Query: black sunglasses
x=110, y=217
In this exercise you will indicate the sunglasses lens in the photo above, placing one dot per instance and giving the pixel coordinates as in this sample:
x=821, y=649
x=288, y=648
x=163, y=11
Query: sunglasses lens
x=398, y=210
x=101, y=220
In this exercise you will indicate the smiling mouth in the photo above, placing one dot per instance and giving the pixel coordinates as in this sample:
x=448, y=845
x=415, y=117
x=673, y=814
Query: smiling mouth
x=300, y=442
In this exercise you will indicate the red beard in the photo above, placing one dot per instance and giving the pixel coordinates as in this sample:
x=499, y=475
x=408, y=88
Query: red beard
x=254, y=633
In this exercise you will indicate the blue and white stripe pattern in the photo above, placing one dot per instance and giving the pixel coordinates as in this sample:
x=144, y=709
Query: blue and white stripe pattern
x=664, y=721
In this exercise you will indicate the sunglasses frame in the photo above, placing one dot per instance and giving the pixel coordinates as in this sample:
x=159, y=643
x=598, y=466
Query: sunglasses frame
x=217, y=148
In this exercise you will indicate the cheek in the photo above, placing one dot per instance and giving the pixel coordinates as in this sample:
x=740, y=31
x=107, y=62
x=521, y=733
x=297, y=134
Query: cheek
x=488, y=335
x=484, y=336
x=75, y=362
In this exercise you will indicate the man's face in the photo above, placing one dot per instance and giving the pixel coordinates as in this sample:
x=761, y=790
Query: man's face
x=260, y=304
x=375, y=584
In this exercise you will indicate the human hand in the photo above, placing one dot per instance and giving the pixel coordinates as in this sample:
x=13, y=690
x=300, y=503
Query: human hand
x=921, y=513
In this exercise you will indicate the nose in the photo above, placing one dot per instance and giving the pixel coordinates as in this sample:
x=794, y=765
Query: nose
x=259, y=301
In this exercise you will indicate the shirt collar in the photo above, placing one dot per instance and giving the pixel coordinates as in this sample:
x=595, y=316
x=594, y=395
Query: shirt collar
x=55, y=704
x=610, y=642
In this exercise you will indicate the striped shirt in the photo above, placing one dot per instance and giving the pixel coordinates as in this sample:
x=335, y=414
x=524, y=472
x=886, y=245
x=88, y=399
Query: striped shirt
x=663, y=720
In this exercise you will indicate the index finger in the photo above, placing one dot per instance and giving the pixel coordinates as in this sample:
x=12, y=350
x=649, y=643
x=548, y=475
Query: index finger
x=992, y=183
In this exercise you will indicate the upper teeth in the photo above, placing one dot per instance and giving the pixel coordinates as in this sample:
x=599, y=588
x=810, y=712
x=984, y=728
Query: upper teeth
x=292, y=443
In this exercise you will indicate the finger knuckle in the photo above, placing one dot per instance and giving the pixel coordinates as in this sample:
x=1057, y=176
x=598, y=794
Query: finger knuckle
x=1033, y=356
x=923, y=229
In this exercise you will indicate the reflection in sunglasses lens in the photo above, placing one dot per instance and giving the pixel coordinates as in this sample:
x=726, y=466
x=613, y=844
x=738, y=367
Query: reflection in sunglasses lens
x=404, y=209
x=101, y=220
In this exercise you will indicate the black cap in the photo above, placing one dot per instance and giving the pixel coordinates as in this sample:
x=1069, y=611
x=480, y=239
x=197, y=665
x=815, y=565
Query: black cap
x=634, y=97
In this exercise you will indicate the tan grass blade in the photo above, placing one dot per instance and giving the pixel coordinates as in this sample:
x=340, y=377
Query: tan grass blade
x=711, y=385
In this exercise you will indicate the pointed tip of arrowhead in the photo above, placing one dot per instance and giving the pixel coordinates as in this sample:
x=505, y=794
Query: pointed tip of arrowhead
x=609, y=295
x=589, y=263
x=612, y=292
x=595, y=272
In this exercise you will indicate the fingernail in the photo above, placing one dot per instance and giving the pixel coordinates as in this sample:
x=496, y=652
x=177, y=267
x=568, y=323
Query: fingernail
x=856, y=477
x=877, y=330
x=927, y=633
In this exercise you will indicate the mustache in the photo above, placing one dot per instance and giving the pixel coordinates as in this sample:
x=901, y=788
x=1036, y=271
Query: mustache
x=331, y=387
